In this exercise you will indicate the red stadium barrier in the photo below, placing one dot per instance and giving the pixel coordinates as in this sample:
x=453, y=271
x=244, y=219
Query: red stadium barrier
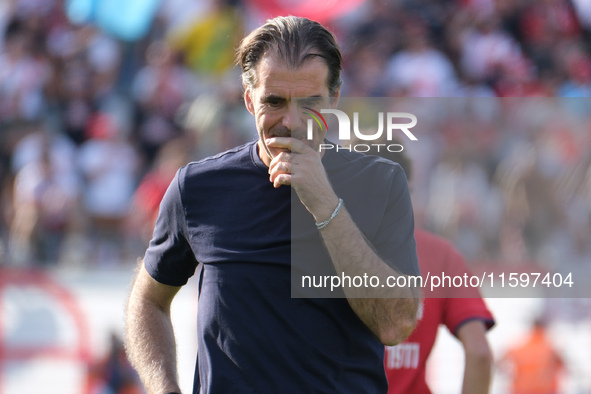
x=22, y=278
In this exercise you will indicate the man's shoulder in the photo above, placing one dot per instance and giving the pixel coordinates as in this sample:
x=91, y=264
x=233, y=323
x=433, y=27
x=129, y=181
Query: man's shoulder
x=234, y=158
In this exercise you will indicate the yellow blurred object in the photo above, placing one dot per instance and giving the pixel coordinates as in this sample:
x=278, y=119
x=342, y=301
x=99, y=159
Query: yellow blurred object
x=209, y=45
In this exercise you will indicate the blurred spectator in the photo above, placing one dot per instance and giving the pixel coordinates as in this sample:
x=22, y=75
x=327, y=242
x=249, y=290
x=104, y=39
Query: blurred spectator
x=569, y=250
x=534, y=365
x=531, y=206
x=520, y=79
x=546, y=23
x=31, y=147
x=45, y=198
x=75, y=100
x=486, y=49
x=577, y=68
x=160, y=88
x=368, y=46
x=86, y=65
x=23, y=72
x=460, y=192
x=361, y=74
x=420, y=70
x=113, y=374
x=109, y=164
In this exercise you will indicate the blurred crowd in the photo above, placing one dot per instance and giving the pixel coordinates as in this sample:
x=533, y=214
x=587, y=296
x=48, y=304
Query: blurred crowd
x=93, y=128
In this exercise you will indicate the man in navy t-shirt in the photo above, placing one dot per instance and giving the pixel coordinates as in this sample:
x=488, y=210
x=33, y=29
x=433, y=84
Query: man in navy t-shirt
x=253, y=218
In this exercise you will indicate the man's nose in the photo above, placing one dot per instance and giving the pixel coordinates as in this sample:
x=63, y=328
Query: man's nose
x=292, y=119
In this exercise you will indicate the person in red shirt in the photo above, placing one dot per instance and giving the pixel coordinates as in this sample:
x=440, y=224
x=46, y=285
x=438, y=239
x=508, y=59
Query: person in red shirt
x=466, y=318
x=462, y=311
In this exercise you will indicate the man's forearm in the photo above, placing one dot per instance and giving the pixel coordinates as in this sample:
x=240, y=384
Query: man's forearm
x=478, y=360
x=390, y=312
x=150, y=344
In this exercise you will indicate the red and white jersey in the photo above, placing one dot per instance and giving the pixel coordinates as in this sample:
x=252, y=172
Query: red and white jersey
x=405, y=363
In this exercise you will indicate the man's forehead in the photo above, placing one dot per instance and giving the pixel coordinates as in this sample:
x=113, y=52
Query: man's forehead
x=275, y=56
x=309, y=79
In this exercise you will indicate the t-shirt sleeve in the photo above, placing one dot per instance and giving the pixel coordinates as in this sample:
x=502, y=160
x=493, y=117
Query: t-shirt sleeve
x=395, y=241
x=463, y=310
x=169, y=258
x=468, y=305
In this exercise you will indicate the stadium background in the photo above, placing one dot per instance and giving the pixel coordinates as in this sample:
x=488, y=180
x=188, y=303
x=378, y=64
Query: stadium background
x=101, y=101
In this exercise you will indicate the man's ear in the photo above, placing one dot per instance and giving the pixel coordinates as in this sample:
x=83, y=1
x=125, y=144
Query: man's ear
x=248, y=100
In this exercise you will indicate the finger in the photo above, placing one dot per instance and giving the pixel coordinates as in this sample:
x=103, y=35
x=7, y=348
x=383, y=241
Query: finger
x=291, y=144
x=280, y=142
x=282, y=179
x=281, y=157
x=278, y=168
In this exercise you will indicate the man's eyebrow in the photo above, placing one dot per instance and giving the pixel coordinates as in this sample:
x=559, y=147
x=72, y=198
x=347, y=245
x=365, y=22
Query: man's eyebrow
x=272, y=97
x=312, y=99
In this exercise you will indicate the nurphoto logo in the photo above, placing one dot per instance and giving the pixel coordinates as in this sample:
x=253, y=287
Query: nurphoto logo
x=392, y=120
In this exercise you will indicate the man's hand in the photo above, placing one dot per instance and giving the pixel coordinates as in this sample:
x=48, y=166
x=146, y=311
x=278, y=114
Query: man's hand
x=300, y=167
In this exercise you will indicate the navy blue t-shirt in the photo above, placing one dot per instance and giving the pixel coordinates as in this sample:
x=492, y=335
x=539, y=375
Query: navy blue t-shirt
x=253, y=337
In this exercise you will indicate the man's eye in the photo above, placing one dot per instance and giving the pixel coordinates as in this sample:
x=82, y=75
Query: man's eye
x=313, y=103
x=274, y=103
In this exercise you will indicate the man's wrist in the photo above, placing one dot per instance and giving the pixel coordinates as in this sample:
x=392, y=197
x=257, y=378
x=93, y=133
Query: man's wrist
x=325, y=208
x=323, y=224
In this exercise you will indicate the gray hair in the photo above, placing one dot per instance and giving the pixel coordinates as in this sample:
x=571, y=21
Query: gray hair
x=294, y=40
